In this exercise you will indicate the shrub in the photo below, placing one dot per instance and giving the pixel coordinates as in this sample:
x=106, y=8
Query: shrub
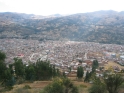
x=83, y=86
x=60, y=85
x=8, y=88
x=20, y=80
x=26, y=87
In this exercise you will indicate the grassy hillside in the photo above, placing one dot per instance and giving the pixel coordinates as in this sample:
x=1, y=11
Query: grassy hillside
x=38, y=86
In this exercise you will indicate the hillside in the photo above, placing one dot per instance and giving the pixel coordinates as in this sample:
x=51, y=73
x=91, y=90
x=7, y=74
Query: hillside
x=100, y=26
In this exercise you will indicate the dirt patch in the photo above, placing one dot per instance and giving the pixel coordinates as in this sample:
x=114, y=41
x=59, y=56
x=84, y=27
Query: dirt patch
x=111, y=64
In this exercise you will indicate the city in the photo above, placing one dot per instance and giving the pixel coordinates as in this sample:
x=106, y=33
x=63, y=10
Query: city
x=65, y=55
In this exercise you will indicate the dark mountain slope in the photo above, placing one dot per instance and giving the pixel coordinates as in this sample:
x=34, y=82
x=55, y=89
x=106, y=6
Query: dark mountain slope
x=100, y=26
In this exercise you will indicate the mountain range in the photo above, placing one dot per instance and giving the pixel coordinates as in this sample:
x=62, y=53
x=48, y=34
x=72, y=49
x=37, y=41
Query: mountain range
x=99, y=26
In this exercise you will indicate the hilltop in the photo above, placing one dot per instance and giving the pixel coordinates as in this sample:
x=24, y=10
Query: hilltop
x=99, y=26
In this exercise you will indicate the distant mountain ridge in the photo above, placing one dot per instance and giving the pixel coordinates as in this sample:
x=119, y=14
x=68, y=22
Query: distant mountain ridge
x=99, y=26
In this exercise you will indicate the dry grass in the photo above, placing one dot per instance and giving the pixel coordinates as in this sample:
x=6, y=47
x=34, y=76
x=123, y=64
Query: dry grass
x=83, y=87
x=37, y=86
x=111, y=64
x=72, y=78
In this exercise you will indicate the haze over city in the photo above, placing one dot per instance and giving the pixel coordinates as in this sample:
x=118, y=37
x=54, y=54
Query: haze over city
x=49, y=7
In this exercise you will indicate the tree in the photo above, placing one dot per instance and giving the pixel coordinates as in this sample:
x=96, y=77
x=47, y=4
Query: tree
x=45, y=71
x=6, y=75
x=87, y=77
x=19, y=68
x=61, y=85
x=69, y=69
x=80, y=72
x=2, y=69
x=94, y=65
x=63, y=74
x=110, y=83
x=54, y=71
x=69, y=87
x=8, y=78
x=11, y=68
x=2, y=56
x=2, y=65
x=113, y=82
x=55, y=87
x=98, y=86
x=30, y=72
x=58, y=72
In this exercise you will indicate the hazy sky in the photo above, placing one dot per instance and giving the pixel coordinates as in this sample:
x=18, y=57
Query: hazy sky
x=48, y=7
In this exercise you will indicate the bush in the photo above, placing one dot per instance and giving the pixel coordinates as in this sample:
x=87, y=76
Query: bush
x=8, y=88
x=98, y=86
x=20, y=80
x=55, y=87
x=26, y=87
x=60, y=85
x=83, y=86
x=122, y=86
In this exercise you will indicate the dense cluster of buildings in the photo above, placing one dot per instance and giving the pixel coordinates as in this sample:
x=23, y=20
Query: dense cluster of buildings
x=65, y=55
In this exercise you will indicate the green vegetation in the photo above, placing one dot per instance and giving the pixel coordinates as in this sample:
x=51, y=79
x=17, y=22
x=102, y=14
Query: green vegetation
x=98, y=86
x=2, y=56
x=17, y=72
x=19, y=68
x=94, y=65
x=87, y=77
x=41, y=70
x=6, y=76
x=110, y=82
x=45, y=71
x=27, y=87
x=60, y=85
x=113, y=82
x=80, y=72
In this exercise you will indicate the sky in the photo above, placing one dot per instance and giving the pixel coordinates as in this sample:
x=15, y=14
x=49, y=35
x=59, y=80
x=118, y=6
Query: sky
x=49, y=7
